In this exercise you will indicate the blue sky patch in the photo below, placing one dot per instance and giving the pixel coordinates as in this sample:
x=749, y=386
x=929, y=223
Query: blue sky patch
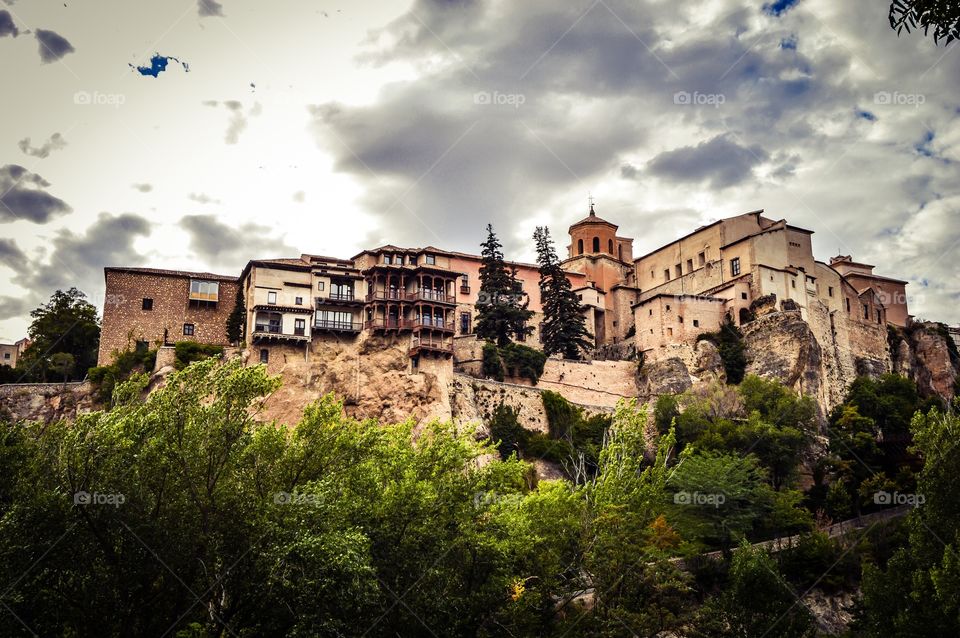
x=779, y=7
x=158, y=64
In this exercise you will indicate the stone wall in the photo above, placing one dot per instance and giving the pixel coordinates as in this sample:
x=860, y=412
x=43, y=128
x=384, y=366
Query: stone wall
x=600, y=383
x=45, y=402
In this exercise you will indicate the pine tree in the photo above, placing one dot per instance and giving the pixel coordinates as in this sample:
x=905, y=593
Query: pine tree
x=501, y=310
x=564, y=327
x=236, y=320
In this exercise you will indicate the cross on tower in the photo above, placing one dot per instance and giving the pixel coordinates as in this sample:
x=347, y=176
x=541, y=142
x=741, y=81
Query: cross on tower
x=590, y=199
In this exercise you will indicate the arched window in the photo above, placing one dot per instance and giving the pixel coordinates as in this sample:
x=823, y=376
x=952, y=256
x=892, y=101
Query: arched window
x=610, y=246
x=579, y=246
x=596, y=244
x=620, y=253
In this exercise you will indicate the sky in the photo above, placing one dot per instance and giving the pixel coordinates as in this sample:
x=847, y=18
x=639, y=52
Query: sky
x=199, y=134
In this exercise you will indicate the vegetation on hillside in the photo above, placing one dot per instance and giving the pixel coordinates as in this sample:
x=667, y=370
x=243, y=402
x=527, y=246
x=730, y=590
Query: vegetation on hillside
x=729, y=342
x=182, y=513
x=66, y=325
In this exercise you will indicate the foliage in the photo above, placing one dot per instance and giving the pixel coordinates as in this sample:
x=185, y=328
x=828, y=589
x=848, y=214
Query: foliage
x=564, y=329
x=492, y=366
x=942, y=16
x=919, y=590
x=186, y=352
x=66, y=323
x=756, y=602
x=729, y=342
x=502, y=311
x=105, y=378
x=523, y=361
x=237, y=319
x=505, y=429
x=62, y=364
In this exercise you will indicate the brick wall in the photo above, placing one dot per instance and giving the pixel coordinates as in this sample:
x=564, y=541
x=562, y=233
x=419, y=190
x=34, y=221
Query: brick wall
x=125, y=321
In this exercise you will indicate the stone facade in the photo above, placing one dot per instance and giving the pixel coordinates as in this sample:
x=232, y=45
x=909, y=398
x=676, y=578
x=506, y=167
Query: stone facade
x=147, y=307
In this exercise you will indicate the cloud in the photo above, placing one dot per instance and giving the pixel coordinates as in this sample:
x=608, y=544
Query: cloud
x=238, y=120
x=7, y=27
x=22, y=196
x=719, y=162
x=299, y=197
x=228, y=247
x=77, y=259
x=55, y=143
x=779, y=7
x=207, y=8
x=202, y=198
x=11, y=256
x=143, y=188
x=52, y=46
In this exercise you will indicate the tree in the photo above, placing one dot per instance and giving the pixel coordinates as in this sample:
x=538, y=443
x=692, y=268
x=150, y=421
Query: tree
x=67, y=323
x=943, y=16
x=729, y=342
x=564, y=329
x=62, y=364
x=236, y=322
x=501, y=307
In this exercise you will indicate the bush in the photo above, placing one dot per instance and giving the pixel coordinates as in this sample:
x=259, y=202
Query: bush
x=492, y=367
x=186, y=352
x=523, y=361
x=105, y=378
x=506, y=430
x=729, y=342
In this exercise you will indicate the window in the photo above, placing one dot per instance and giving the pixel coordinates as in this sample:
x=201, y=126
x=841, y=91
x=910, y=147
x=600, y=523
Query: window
x=793, y=283
x=680, y=318
x=298, y=301
x=650, y=312
x=464, y=323
x=299, y=327
x=696, y=323
x=743, y=295
x=430, y=260
x=669, y=332
x=666, y=274
x=341, y=291
x=651, y=274
x=702, y=258
x=188, y=329
x=610, y=246
x=735, y=266
x=6, y=355
x=866, y=311
x=668, y=306
x=412, y=260
x=830, y=291
x=204, y=290
x=848, y=304
x=679, y=270
x=147, y=303
x=579, y=246
x=264, y=355
x=580, y=296
x=320, y=285
x=689, y=265
x=596, y=244
x=878, y=317
x=388, y=259
x=399, y=260
x=272, y=298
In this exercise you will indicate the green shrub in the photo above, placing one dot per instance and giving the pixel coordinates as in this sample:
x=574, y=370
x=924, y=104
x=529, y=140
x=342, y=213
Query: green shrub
x=540, y=445
x=729, y=342
x=505, y=428
x=105, y=378
x=492, y=367
x=186, y=352
x=523, y=361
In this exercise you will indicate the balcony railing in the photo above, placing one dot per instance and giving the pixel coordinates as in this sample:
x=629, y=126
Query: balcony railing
x=430, y=344
x=269, y=328
x=464, y=290
x=429, y=322
x=339, y=296
x=343, y=326
x=389, y=295
x=426, y=294
x=384, y=324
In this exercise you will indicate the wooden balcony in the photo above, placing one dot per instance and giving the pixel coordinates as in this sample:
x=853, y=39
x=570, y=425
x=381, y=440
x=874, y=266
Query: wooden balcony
x=340, y=299
x=263, y=333
x=327, y=325
x=438, y=346
x=426, y=323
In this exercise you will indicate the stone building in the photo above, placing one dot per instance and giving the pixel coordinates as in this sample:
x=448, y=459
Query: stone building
x=892, y=292
x=147, y=307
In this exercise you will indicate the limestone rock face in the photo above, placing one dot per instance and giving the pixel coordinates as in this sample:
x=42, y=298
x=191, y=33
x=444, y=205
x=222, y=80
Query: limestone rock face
x=669, y=376
x=707, y=361
x=47, y=402
x=782, y=346
x=923, y=354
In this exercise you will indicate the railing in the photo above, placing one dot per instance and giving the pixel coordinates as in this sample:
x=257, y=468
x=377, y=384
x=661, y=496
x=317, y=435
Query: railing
x=339, y=296
x=464, y=290
x=426, y=294
x=330, y=324
x=385, y=324
x=428, y=322
x=389, y=295
x=430, y=344
x=271, y=328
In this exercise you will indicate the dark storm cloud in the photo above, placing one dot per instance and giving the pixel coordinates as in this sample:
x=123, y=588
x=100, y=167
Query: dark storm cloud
x=55, y=143
x=53, y=46
x=207, y=8
x=11, y=256
x=7, y=27
x=227, y=247
x=78, y=259
x=720, y=162
x=22, y=196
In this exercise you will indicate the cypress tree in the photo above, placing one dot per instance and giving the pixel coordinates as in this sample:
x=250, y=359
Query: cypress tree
x=564, y=328
x=501, y=309
x=236, y=320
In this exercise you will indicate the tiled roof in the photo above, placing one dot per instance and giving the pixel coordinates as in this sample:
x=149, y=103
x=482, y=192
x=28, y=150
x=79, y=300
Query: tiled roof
x=171, y=273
